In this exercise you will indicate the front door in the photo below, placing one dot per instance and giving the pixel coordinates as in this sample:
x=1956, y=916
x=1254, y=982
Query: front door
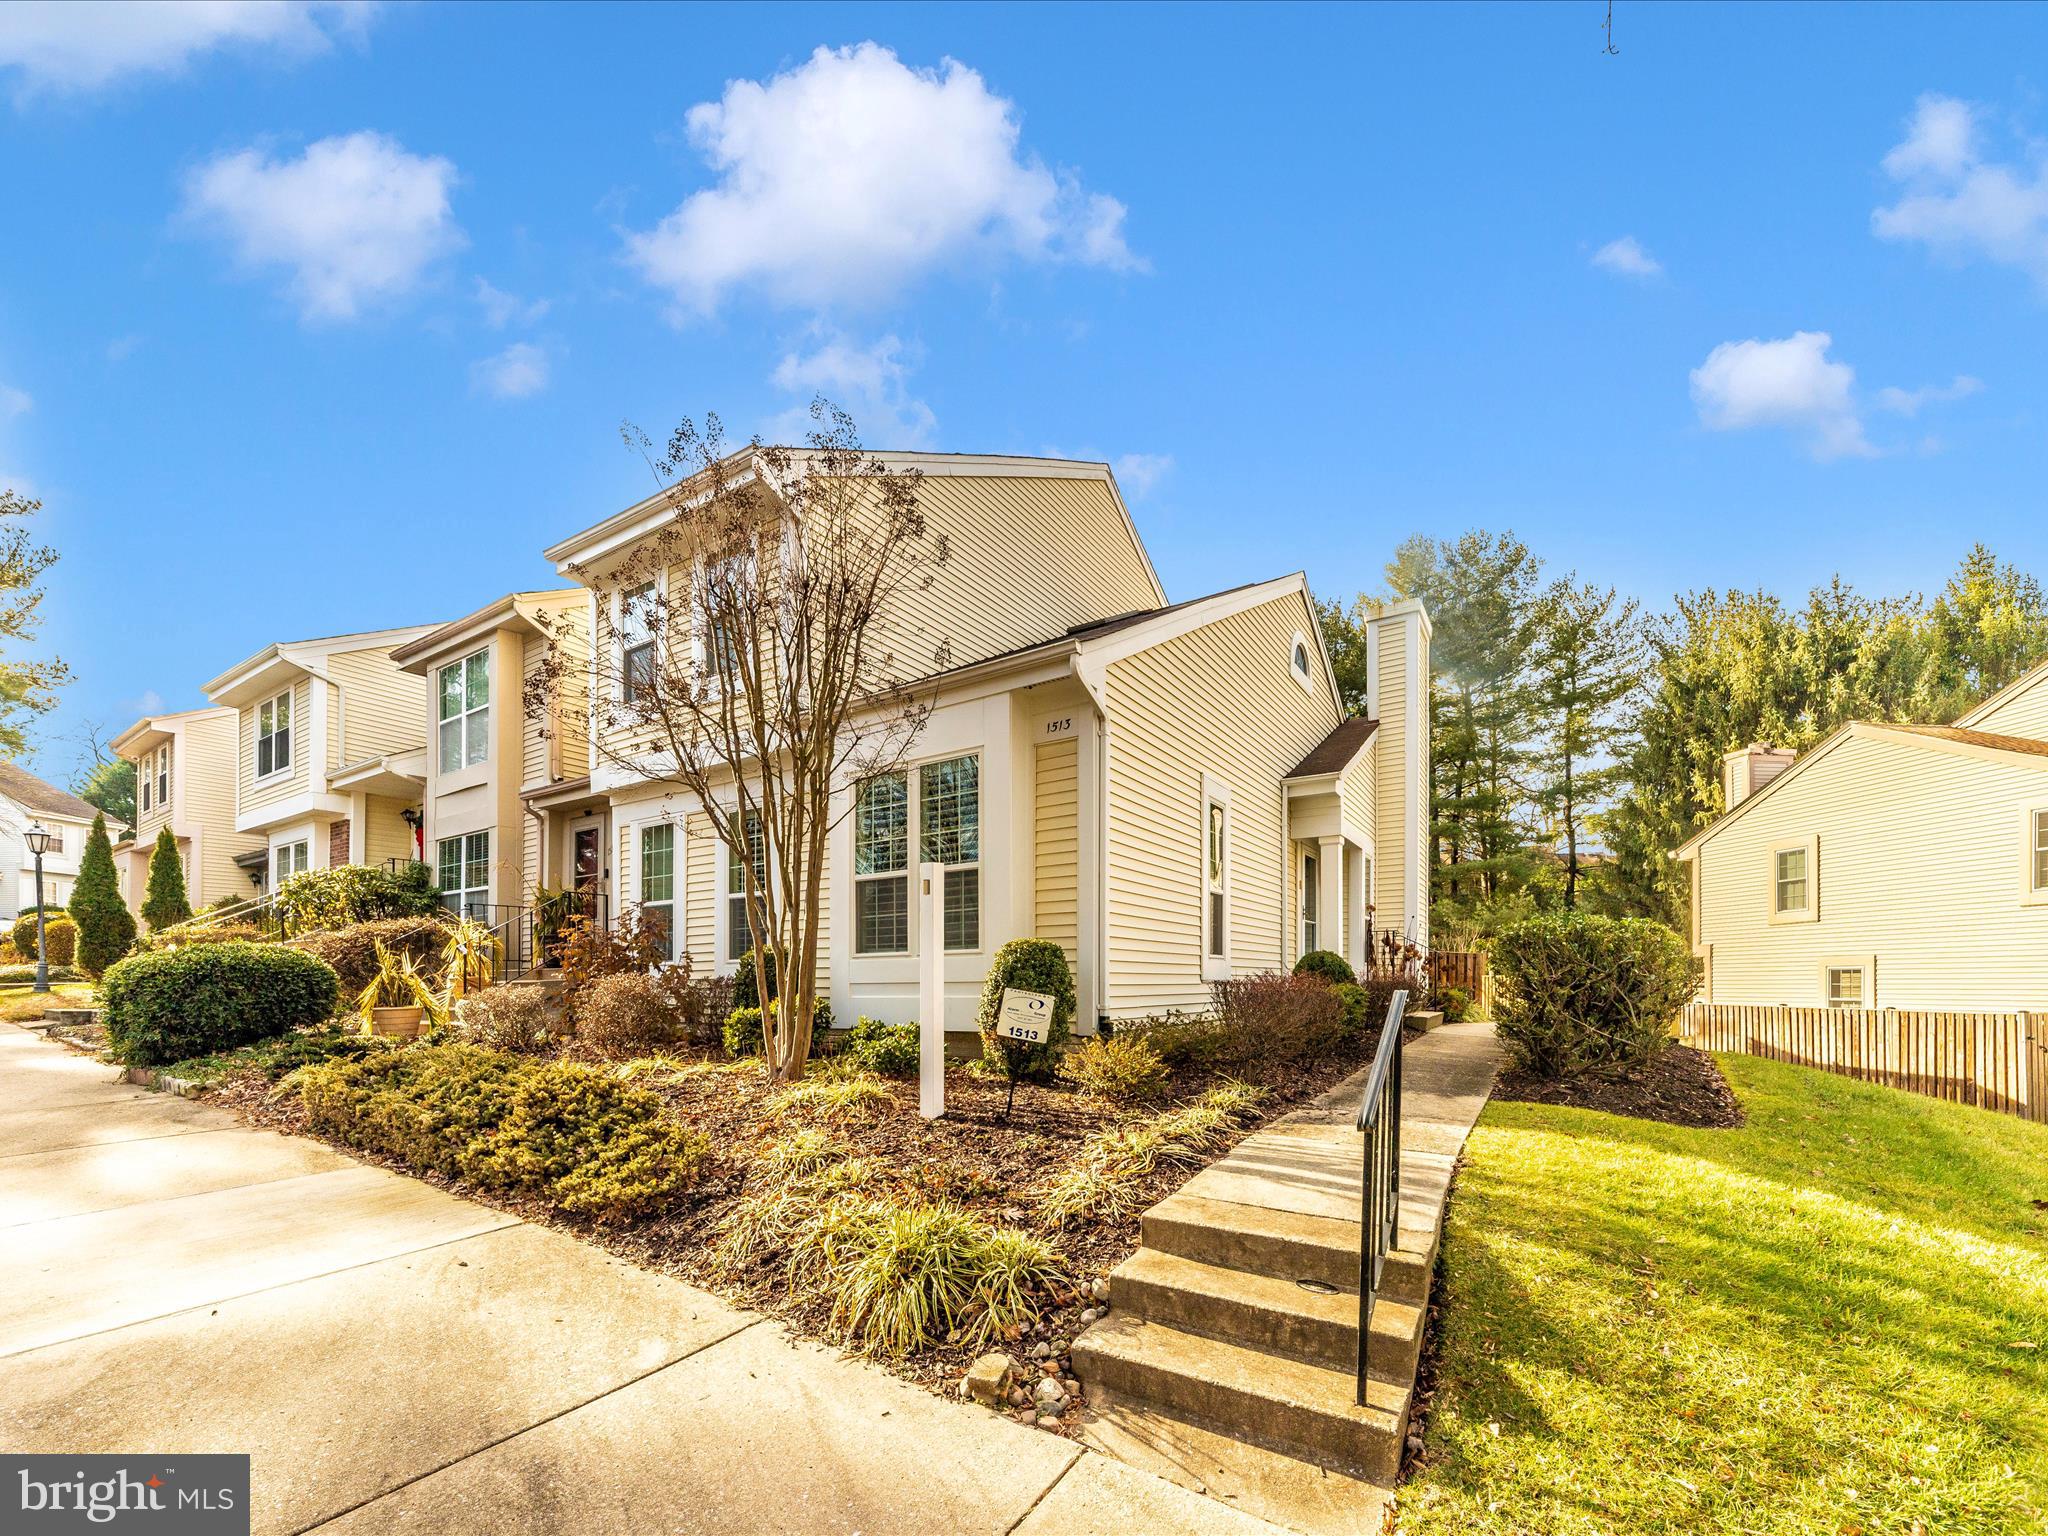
x=589, y=869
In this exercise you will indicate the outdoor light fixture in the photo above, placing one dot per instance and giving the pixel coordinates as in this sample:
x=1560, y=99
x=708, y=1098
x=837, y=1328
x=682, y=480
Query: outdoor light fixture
x=38, y=839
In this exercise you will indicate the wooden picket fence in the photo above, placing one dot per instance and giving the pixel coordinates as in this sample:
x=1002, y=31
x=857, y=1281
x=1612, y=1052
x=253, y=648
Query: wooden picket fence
x=1464, y=969
x=1997, y=1061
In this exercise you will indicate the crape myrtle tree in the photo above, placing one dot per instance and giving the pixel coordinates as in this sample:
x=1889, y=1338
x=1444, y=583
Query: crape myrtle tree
x=762, y=653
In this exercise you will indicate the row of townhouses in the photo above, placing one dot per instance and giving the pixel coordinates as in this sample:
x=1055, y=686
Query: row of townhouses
x=1172, y=791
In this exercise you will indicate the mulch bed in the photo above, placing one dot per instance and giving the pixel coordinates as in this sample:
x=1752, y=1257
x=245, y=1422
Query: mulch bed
x=1681, y=1087
x=975, y=1156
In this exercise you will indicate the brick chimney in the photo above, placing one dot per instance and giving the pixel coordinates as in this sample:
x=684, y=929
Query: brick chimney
x=1748, y=769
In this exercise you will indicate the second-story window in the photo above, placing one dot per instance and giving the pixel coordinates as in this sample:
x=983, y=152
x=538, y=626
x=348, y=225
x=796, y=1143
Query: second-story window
x=465, y=706
x=636, y=641
x=274, y=735
x=163, y=775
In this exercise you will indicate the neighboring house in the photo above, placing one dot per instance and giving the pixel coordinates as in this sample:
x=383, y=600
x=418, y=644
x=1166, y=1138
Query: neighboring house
x=24, y=799
x=1891, y=866
x=331, y=751
x=1172, y=792
x=507, y=800
x=185, y=779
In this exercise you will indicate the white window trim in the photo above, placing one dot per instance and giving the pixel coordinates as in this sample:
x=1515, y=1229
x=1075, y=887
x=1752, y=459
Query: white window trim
x=163, y=775
x=300, y=865
x=1810, y=913
x=290, y=730
x=1306, y=676
x=461, y=717
x=700, y=618
x=977, y=863
x=1863, y=965
x=1215, y=967
x=677, y=877
x=727, y=895
x=904, y=874
x=2031, y=895
x=1302, y=854
x=659, y=581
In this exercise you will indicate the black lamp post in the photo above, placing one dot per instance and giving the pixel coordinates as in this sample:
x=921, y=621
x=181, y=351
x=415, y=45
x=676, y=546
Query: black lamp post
x=38, y=839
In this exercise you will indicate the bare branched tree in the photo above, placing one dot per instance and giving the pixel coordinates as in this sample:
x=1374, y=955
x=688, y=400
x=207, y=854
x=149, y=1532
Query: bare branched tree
x=763, y=652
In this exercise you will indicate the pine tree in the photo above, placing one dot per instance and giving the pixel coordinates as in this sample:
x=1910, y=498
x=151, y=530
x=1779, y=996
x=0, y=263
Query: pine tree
x=166, y=902
x=106, y=928
x=1588, y=660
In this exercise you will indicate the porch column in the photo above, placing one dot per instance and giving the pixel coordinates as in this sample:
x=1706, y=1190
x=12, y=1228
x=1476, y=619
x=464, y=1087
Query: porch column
x=1354, y=907
x=1330, y=916
x=1090, y=878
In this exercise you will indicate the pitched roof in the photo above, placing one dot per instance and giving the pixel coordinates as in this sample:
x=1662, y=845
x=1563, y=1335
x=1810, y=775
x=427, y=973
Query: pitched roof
x=1991, y=739
x=1333, y=754
x=31, y=793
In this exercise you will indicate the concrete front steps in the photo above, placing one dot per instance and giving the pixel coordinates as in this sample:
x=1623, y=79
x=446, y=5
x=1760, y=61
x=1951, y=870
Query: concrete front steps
x=1227, y=1361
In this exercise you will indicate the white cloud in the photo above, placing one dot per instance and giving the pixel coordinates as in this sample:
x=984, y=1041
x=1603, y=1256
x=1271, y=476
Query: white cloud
x=14, y=402
x=148, y=702
x=1627, y=257
x=355, y=219
x=847, y=177
x=502, y=309
x=121, y=348
x=871, y=383
x=1960, y=204
x=1790, y=383
x=1139, y=473
x=80, y=45
x=1909, y=402
x=513, y=374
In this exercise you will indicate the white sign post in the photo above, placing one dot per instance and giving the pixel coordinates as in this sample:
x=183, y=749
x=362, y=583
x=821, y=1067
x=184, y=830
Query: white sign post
x=931, y=991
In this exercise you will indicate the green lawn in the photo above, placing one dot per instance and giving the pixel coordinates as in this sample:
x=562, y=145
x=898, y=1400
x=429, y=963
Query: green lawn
x=1834, y=1319
x=24, y=1002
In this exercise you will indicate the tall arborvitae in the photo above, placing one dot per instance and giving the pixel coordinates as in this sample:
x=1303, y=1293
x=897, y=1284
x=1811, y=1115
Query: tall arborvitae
x=106, y=928
x=165, y=902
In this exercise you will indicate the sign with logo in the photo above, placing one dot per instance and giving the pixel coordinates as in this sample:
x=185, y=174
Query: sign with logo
x=166, y=1495
x=1024, y=1016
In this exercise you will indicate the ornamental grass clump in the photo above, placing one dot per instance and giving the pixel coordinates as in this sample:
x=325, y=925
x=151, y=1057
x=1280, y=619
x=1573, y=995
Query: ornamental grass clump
x=832, y=1090
x=1107, y=1180
x=574, y=1135
x=1121, y=1070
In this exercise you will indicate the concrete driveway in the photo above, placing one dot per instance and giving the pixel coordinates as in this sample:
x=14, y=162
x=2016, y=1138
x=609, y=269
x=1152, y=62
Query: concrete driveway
x=394, y=1358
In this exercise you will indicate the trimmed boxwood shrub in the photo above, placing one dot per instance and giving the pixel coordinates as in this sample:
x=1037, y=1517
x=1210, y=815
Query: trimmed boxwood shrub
x=1031, y=965
x=888, y=1050
x=317, y=899
x=572, y=1134
x=352, y=951
x=742, y=1030
x=1578, y=993
x=745, y=994
x=1327, y=964
x=60, y=936
x=180, y=1003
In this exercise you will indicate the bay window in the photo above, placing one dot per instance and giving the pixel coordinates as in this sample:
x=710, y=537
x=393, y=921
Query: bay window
x=465, y=712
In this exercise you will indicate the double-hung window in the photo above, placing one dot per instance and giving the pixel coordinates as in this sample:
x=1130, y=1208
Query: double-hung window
x=465, y=873
x=1794, y=882
x=2037, y=853
x=286, y=860
x=163, y=774
x=636, y=641
x=881, y=866
x=949, y=833
x=658, y=884
x=1216, y=899
x=465, y=710
x=739, y=935
x=1311, y=893
x=274, y=735
x=725, y=590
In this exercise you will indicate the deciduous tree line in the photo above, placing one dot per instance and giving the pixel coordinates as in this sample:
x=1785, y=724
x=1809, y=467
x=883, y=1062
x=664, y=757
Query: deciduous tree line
x=1576, y=738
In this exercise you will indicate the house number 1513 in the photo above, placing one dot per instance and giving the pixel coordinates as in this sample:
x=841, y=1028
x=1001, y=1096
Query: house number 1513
x=1060, y=725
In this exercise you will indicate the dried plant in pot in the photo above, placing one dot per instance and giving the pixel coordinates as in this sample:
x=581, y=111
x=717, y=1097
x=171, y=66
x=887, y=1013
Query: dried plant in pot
x=398, y=1001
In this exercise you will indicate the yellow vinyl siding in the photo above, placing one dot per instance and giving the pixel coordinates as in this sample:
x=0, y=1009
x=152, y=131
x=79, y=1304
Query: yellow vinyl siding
x=1217, y=700
x=385, y=834
x=1390, y=777
x=381, y=708
x=560, y=748
x=1056, y=847
x=2023, y=712
x=702, y=854
x=1919, y=862
x=1359, y=789
x=254, y=796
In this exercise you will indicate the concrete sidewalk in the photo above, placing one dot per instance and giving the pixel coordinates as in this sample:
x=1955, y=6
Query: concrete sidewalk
x=394, y=1358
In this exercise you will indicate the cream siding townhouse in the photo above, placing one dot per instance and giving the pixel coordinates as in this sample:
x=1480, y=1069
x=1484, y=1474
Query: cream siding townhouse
x=507, y=800
x=1891, y=866
x=1171, y=792
x=330, y=751
x=185, y=779
x=24, y=800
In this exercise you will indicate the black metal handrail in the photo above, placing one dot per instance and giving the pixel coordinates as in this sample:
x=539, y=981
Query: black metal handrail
x=1379, y=1117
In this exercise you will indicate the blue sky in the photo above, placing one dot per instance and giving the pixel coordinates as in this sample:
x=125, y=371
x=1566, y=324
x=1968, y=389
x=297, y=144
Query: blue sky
x=330, y=324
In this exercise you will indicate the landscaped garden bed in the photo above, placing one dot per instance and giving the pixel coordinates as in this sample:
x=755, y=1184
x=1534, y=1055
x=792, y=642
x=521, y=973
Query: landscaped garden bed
x=830, y=1202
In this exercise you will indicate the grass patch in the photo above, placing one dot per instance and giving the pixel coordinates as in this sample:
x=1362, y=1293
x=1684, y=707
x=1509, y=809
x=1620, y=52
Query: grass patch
x=833, y=1090
x=20, y=1004
x=1831, y=1319
x=274, y=1058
